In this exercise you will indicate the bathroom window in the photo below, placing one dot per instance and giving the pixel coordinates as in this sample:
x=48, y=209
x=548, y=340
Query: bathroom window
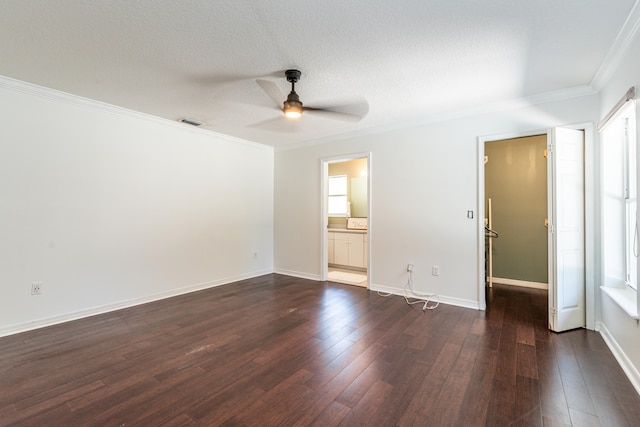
x=338, y=195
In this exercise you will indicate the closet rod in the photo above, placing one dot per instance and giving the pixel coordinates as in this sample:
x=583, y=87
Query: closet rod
x=490, y=246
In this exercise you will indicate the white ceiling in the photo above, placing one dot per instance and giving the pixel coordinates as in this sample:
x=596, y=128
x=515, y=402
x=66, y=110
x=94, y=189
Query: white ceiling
x=407, y=59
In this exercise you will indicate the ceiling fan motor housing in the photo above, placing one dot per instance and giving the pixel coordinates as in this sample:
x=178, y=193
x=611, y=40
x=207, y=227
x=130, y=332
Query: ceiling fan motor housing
x=292, y=75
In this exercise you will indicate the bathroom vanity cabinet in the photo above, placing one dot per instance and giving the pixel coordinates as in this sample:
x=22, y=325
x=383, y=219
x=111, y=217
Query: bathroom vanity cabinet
x=348, y=248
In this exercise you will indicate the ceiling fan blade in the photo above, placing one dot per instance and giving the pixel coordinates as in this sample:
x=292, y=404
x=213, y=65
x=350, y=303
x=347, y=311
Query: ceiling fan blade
x=210, y=78
x=351, y=112
x=263, y=122
x=276, y=124
x=335, y=115
x=273, y=91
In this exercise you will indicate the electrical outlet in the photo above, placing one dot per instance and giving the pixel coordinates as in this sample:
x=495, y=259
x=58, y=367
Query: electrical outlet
x=36, y=288
x=435, y=270
x=409, y=267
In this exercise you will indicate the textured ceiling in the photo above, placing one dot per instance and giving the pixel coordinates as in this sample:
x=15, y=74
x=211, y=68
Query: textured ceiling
x=210, y=60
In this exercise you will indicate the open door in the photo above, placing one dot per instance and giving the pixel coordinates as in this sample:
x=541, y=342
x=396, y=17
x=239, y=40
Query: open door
x=350, y=243
x=567, y=307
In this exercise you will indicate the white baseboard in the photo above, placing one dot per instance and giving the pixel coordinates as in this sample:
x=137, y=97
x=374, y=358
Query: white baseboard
x=521, y=283
x=68, y=317
x=632, y=373
x=459, y=302
x=298, y=274
x=391, y=290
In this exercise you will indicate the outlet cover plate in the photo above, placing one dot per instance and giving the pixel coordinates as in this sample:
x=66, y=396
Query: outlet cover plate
x=36, y=288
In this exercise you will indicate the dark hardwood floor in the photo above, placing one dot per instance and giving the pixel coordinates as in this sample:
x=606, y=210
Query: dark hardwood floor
x=282, y=351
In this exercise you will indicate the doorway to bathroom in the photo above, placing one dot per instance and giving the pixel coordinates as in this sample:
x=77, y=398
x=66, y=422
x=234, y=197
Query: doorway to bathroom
x=346, y=220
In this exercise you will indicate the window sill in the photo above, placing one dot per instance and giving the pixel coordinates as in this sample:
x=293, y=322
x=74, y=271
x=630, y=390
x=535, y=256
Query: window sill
x=626, y=298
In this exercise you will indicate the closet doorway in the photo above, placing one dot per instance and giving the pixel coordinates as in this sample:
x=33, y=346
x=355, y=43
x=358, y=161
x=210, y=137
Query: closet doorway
x=564, y=222
x=515, y=180
x=346, y=219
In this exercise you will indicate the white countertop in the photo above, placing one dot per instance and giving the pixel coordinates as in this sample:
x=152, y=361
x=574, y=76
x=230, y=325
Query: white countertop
x=345, y=230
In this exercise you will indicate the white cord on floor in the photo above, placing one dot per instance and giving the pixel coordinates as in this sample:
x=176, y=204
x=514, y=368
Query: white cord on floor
x=425, y=300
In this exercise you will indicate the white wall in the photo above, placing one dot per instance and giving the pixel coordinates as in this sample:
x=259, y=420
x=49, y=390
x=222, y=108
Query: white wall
x=108, y=208
x=621, y=330
x=424, y=180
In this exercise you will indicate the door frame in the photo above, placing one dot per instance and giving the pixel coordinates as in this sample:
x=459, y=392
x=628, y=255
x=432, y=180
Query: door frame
x=324, y=217
x=589, y=214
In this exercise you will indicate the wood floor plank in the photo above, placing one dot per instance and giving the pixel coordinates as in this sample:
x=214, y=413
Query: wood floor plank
x=199, y=397
x=476, y=398
x=179, y=420
x=610, y=413
x=527, y=402
x=272, y=407
x=501, y=409
x=342, y=371
x=277, y=350
x=579, y=418
x=352, y=394
x=8, y=413
x=56, y=396
x=427, y=395
x=331, y=416
x=406, y=385
x=526, y=333
x=552, y=397
x=526, y=363
x=361, y=414
x=507, y=355
x=449, y=403
x=227, y=407
x=55, y=416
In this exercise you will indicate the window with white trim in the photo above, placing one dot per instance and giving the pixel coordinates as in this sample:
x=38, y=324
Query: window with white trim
x=631, y=216
x=337, y=202
x=620, y=227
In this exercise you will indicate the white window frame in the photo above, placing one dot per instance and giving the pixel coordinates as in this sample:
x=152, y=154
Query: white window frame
x=619, y=135
x=630, y=196
x=337, y=202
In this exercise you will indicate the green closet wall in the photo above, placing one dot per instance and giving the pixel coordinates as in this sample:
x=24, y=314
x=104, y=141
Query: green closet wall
x=516, y=182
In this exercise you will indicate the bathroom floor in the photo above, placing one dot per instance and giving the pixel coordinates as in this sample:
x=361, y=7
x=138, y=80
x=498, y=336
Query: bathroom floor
x=348, y=277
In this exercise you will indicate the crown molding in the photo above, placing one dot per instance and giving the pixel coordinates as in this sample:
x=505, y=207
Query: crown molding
x=59, y=96
x=618, y=49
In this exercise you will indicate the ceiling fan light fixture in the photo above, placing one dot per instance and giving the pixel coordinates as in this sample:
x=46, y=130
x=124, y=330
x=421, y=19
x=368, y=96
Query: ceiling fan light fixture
x=292, y=110
x=292, y=106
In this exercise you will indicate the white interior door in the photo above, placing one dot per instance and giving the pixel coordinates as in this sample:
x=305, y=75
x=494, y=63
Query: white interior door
x=567, y=308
